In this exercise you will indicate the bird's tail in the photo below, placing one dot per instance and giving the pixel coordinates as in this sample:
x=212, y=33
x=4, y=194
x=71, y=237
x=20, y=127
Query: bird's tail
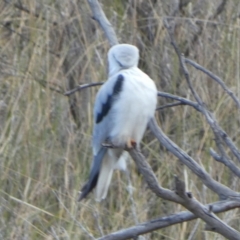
x=104, y=178
x=94, y=174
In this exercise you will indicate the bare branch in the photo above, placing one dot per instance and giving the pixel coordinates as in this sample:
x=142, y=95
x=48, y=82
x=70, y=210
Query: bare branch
x=80, y=87
x=183, y=68
x=100, y=17
x=215, y=78
x=183, y=198
x=170, y=105
x=151, y=179
x=180, y=196
x=180, y=99
x=223, y=191
x=226, y=161
x=217, y=130
x=213, y=222
x=167, y=221
x=227, y=140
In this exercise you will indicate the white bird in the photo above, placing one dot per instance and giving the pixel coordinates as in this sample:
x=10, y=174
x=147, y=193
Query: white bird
x=124, y=105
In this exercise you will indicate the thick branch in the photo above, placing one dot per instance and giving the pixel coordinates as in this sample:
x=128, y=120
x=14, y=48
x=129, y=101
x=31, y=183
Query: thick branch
x=217, y=130
x=213, y=222
x=151, y=179
x=223, y=191
x=185, y=199
x=180, y=99
x=226, y=161
x=180, y=196
x=167, y=221
x=106, y=26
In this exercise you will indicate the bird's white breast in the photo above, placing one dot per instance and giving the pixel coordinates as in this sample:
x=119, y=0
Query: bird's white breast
x=134, y=107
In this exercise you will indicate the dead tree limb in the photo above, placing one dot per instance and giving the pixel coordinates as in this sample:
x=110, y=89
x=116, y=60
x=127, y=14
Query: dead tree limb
x=167, y=221
x=217, y=130
x=215, y=78
x=180, y=196
x=223, y=191
x=83, y=86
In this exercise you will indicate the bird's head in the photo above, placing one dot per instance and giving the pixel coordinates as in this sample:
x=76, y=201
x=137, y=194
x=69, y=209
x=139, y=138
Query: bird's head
x=122, y=56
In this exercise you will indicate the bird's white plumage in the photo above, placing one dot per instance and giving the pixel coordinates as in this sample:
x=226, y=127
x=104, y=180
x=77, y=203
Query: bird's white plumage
x=122, y=56
x=130, y=110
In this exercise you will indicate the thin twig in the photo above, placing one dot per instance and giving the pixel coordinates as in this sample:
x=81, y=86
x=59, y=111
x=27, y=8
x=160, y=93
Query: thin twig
x=226, y=161
x=217, y=130
x=80, y=87
x=183, y=68
x=170, y=105
x=100, y=17
x=215, y=78
x=184, y=101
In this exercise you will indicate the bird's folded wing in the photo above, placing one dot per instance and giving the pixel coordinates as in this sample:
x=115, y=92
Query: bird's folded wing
x=94, y=173
x=103, y=117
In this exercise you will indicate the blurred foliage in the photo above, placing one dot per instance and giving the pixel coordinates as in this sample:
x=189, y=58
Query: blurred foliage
x=48, y=47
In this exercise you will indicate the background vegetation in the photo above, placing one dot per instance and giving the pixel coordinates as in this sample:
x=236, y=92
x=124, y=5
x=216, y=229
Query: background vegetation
x=48, y=47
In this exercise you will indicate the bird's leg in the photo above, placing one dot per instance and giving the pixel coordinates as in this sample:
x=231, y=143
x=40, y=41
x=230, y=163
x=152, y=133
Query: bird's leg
x=131, y=144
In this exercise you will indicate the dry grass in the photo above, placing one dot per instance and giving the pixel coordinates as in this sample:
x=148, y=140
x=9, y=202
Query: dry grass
x=45, y=151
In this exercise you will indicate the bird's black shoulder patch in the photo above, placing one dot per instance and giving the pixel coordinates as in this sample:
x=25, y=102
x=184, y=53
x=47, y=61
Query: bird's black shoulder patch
x=105, y=109
x=117, y=88
x=118, y=85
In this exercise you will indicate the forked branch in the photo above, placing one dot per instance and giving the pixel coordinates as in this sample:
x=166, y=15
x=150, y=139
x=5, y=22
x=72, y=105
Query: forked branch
x=180, y=196
x=167, y=221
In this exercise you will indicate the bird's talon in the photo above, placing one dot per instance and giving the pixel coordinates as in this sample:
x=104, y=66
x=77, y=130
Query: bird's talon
x=131, y=144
